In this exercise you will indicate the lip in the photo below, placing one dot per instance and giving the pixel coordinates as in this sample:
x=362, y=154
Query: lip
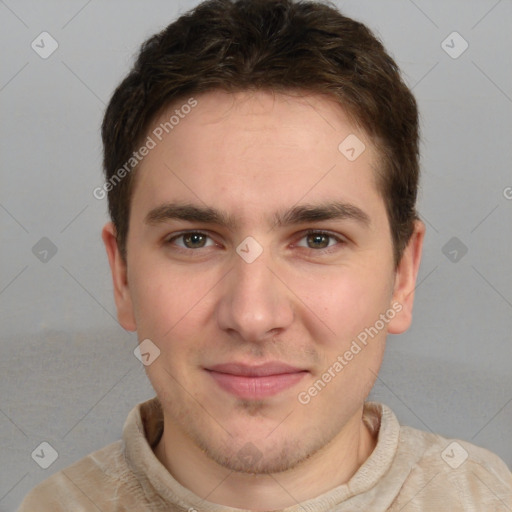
x=253, y=382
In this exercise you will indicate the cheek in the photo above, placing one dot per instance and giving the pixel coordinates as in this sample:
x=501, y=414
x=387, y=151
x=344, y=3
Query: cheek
x=156, y=307
x=346, y=302
x=168, y=302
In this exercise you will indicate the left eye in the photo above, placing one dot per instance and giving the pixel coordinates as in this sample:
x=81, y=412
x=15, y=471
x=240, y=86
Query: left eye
x=318, y=240
x=193, y=240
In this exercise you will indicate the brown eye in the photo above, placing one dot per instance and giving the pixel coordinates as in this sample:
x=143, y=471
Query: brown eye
x=318, y=241
x=191, y=240
x=194, y=240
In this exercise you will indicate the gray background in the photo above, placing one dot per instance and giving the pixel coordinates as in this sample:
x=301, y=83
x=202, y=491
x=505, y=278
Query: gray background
x=68, y=375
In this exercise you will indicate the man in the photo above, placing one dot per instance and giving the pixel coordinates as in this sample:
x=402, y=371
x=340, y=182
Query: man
x=261, y=164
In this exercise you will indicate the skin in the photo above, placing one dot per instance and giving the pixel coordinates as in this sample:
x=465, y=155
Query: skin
x=252, y=155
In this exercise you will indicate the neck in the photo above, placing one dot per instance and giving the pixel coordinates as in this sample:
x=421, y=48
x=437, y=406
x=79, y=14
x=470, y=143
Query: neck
x=326, y=469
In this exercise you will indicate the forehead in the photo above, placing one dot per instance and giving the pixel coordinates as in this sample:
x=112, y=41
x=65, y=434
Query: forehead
x=248, y=151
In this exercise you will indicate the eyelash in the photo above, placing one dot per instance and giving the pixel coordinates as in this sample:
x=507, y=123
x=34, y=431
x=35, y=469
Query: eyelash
x=340, y=240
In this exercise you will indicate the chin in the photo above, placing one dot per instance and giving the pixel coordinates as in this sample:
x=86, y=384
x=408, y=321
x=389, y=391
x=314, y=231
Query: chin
x=257, y=458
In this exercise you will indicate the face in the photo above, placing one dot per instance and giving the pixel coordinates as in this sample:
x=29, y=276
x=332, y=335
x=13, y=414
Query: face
x=257, y=254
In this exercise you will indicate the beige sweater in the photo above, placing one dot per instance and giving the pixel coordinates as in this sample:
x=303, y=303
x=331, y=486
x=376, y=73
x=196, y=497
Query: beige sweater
x=409, y=470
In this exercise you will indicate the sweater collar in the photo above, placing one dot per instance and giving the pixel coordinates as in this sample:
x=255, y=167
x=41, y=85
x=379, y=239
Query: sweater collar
x=373, y=485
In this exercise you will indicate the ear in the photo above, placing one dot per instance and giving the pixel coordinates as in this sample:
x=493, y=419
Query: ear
x=405, y=281
x=118, y=268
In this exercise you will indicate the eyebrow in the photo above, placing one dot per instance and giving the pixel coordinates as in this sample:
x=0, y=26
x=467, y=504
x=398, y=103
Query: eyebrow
x=296, y=215
x=329, y=211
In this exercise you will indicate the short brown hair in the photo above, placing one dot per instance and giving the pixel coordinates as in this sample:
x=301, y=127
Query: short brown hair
x=278, y=45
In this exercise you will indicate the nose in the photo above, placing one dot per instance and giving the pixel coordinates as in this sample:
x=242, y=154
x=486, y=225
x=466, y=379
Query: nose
x=255, y=303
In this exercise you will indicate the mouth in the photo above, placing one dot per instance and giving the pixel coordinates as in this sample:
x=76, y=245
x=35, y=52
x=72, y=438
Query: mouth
x=254, y=382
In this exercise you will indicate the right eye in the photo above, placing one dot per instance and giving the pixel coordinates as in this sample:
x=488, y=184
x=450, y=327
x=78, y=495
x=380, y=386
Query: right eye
x=191, y=240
